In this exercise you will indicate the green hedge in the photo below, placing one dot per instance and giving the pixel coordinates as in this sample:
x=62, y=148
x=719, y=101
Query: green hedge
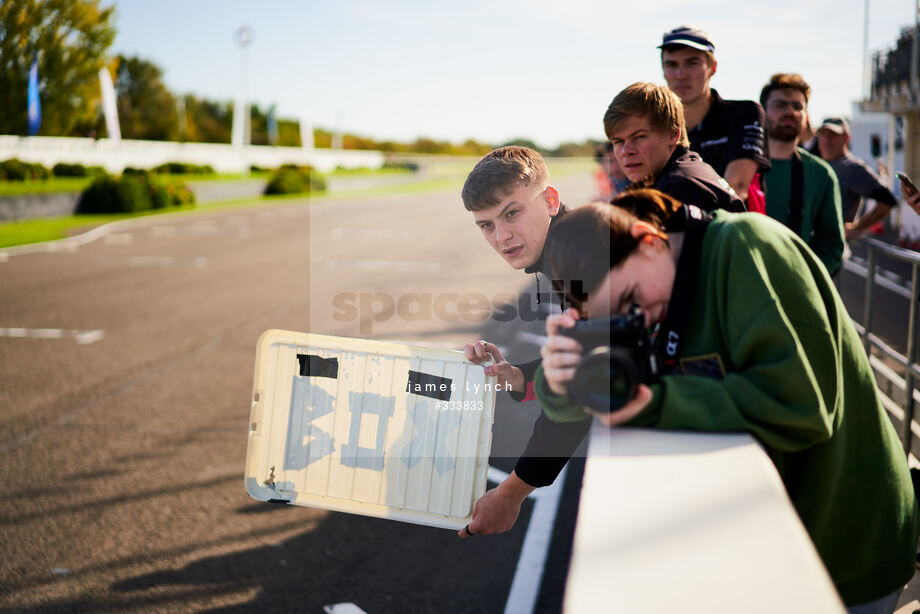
x=17, y=170
x=184, y=168
x=131, y=193
x=62, y=169
x=291, y=179
x=405, y=165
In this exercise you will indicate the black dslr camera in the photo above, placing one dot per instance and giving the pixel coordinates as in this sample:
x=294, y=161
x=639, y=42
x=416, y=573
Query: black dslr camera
x=618, y=357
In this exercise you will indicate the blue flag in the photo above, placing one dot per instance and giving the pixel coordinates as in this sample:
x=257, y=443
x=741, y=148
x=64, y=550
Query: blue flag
x=35, y=105
x=272, y=125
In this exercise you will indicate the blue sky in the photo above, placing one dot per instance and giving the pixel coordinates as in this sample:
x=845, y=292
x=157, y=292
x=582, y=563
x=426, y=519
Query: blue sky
x=491, y=70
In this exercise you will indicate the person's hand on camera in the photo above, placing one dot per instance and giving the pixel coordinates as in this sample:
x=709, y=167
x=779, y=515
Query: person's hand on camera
x=509, y=376
x=561, y=354
x=628, y=411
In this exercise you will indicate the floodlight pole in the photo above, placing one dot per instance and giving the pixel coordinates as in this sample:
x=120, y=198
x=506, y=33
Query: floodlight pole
x=240, y=135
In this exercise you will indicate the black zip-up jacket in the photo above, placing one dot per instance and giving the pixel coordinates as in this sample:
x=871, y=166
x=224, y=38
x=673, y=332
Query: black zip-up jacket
x=693, y=182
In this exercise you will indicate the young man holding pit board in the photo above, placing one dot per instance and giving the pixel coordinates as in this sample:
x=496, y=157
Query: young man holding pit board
x=514, y=206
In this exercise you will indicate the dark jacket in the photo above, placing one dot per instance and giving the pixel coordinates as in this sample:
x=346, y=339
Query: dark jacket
x=691, y=181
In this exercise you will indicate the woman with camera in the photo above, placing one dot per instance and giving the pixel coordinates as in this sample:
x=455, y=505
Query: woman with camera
x=751, y=336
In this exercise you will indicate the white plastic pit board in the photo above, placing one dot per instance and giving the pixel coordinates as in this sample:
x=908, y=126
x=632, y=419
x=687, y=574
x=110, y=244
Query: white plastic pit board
x=369, y=427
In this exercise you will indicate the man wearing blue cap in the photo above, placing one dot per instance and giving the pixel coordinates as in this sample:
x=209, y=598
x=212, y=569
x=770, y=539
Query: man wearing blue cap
x=727, y=134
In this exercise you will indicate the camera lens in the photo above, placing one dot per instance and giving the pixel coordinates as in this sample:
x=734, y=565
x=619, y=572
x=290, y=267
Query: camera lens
x=605, y=380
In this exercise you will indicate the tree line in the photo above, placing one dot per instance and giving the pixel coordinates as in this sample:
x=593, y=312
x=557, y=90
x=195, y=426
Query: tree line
x=70, y=40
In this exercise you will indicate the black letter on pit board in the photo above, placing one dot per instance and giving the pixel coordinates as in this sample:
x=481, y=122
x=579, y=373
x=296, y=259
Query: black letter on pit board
x=317, y=366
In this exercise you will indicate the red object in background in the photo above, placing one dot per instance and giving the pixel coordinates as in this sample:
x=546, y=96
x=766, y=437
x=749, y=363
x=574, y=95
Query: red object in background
x=602, y=183
x=877, y=229
x=757, y=199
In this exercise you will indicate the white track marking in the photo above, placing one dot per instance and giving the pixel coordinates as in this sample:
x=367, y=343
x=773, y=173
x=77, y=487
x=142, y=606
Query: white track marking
x=119, y=238
x=522, y=599
x=167, y=261
x=82, y=337
x=163, y=232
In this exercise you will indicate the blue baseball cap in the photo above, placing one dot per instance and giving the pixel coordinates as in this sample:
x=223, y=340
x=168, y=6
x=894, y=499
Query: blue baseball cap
x=688, y=37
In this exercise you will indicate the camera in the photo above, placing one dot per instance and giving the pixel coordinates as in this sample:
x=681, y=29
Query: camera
x=619, y=356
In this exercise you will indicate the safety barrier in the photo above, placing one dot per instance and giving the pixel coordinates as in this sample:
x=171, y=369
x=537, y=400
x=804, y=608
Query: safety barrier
x=691, y=522
x=225, y=158
x=897, y=373
x=665, y=518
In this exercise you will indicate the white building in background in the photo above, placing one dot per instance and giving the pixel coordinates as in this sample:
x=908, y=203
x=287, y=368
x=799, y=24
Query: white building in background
x=892, y=111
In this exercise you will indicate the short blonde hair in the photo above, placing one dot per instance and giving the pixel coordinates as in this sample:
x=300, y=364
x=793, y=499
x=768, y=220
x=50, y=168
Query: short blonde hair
x=659, y=104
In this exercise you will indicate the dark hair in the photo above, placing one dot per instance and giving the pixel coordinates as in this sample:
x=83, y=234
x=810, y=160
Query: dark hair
x=784, y=81
x=499, y=172
x=603, y=150
x=583, y=246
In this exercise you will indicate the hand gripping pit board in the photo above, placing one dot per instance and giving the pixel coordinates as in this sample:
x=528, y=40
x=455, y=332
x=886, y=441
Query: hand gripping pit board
x=369, y=427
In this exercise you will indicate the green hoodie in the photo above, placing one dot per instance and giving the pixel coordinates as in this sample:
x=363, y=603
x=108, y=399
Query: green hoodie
x=770, y=350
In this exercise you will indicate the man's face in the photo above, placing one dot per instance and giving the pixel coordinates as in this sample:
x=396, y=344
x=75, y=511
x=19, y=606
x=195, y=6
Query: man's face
x=831, y=144
x=517, y=226
x=640, y=149
x=786, y=113
x=687, y=72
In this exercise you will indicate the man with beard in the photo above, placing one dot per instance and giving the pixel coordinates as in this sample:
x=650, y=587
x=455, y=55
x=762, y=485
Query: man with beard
x=802, y=189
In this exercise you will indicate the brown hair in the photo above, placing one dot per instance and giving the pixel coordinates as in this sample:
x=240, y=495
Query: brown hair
x=586, y=243
x=784, y=81
x=499, y=172
x=662, y=107
x=710, y=56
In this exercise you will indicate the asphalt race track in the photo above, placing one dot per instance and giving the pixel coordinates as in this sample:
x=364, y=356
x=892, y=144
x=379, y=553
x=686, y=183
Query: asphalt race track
x=127, y=367
x=124, y=405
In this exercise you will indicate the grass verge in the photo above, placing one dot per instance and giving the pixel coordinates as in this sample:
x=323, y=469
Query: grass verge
x=22, y=232
x=46, y=186
x=49, y=229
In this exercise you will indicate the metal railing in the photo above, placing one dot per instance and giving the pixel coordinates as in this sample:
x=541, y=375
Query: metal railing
x=879, y=350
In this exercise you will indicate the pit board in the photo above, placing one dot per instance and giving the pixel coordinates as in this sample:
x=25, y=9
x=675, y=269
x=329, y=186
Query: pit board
x=369, y=427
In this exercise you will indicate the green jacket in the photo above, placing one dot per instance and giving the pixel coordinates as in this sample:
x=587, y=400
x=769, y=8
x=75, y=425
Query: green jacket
x=770, y=350
x=822, y=219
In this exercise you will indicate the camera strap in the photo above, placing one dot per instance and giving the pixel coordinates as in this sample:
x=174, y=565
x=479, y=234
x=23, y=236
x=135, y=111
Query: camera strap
x=796, y=194
x=693, y=222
